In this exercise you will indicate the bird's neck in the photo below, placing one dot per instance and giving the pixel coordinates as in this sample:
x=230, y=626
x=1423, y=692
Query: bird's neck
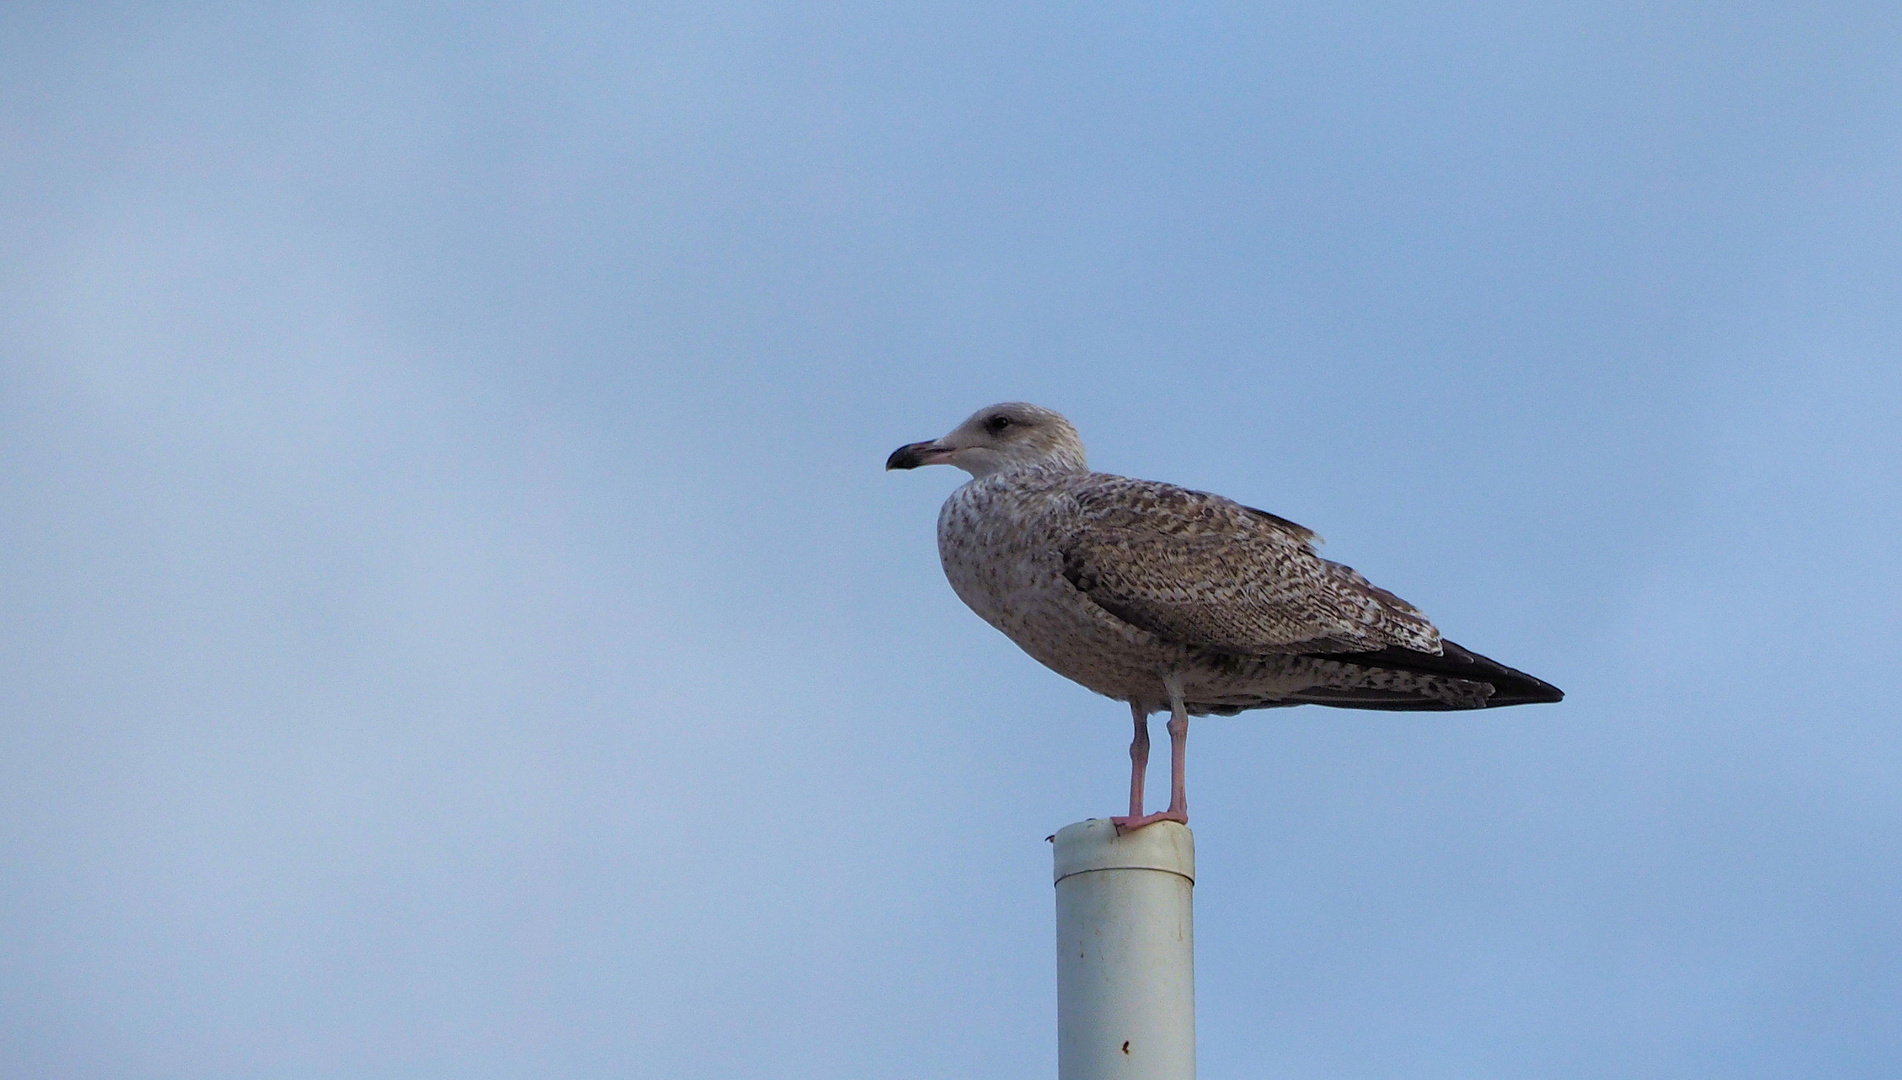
x=1056, y=464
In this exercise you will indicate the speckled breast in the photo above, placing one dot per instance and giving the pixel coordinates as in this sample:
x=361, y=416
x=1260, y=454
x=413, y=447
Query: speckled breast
x=999, y=539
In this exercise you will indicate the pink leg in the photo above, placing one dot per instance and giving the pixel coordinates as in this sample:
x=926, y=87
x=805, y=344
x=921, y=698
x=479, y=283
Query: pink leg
x=1138, y=765
x=1178, y=761
x=1178, y=769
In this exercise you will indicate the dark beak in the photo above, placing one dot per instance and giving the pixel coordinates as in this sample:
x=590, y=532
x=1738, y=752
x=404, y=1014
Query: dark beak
x=910, y=456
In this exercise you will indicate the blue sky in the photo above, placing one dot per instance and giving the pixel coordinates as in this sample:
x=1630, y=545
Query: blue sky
x=455, y=623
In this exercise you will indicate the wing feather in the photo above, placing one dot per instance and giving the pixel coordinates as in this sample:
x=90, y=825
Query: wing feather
x=1202, y=570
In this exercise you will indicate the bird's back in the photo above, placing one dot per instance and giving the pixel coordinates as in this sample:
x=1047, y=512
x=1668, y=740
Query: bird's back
x=1116, y=583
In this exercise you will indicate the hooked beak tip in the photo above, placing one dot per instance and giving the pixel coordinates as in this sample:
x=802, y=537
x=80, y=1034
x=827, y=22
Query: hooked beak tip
x=909, y=456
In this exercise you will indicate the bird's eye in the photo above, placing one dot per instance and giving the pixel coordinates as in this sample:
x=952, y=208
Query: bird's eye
x=996, y=424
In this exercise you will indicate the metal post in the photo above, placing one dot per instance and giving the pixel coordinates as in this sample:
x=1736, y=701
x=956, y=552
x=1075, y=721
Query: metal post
x=1125, y=952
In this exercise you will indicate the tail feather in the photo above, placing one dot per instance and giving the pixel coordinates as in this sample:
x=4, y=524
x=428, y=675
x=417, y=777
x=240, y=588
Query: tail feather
x=1454, y=663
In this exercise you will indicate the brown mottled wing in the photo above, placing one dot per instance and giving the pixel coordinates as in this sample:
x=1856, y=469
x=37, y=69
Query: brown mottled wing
x=1202, y=570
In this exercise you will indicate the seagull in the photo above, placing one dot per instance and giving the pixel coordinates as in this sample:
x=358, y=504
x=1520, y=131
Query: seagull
x=1177, y=600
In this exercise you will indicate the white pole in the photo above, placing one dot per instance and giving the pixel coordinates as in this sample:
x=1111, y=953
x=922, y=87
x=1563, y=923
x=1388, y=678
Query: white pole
x=1125, y=952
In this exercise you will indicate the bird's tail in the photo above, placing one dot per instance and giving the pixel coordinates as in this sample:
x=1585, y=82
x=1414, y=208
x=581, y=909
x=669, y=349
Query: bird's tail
x=1457, y=678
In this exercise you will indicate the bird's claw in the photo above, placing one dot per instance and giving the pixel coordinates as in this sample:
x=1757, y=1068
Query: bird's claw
x=1125, y=825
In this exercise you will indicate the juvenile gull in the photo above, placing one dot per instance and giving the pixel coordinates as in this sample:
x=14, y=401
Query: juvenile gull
x=1178, y=600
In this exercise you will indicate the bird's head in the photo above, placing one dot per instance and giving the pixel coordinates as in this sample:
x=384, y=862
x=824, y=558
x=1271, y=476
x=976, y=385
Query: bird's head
x=997, y=439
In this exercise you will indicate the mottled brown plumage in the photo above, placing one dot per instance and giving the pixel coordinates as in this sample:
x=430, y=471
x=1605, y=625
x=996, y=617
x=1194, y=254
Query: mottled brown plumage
x=1174, y=599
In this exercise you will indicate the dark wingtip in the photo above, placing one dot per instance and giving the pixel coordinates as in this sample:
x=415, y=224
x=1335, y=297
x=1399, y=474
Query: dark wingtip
x=1510, y=686
x=1526, y=690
